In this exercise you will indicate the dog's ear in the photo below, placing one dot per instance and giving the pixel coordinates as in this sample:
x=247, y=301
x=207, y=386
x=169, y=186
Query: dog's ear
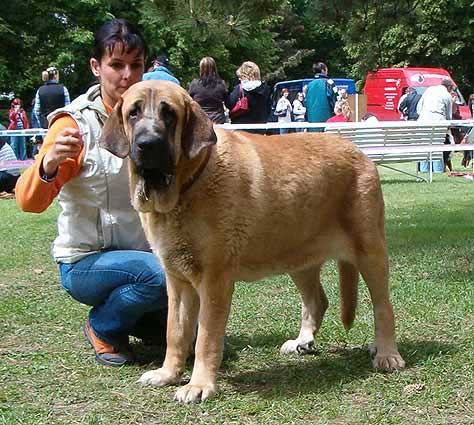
x=113, y=136
x=198, y=132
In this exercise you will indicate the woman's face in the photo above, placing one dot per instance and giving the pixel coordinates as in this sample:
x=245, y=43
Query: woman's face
x=117, y=71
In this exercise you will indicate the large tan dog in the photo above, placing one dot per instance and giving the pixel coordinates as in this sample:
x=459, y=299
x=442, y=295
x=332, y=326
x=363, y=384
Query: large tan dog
x=220, y=206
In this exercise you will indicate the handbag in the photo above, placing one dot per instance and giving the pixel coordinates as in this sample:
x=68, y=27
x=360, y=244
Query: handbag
x=280, y=113
x=241, y=106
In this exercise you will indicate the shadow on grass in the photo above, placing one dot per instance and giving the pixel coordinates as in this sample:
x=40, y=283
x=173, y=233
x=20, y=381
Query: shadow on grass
x=324, y=370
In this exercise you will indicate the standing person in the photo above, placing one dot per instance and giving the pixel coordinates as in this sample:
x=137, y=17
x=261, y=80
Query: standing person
x=103, y=256
x=299, y=110
x=405, y=93
x=321, y=95
x=283, y=109
x=50, y=96
x=256, y=91
x=342, y=111
x=409, y=105
x=436, y=104
x=18, y=121
x=209, y=90
x=160, y=71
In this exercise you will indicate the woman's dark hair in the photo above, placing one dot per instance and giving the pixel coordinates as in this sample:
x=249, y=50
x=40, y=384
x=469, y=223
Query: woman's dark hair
x=17, y=101
x=118, y=33
x=208, y=72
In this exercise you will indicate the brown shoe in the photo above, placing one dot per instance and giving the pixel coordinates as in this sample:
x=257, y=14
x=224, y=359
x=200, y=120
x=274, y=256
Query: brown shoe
x=105, y=353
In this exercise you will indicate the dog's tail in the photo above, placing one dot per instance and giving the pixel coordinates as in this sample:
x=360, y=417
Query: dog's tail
x=348, y=286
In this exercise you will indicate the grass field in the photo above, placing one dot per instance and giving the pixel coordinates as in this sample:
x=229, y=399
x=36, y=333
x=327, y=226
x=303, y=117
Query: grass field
x=48, y=374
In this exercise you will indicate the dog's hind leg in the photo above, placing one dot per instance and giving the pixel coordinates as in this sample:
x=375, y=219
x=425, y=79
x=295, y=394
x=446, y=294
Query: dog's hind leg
x=314, y=305
x=373, y=264
x=183, y=309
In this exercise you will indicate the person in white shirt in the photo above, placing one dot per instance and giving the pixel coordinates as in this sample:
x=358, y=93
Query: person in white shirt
x=436, y=103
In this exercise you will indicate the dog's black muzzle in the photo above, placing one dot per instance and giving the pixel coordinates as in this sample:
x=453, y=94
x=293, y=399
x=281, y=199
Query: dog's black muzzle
x=153, y=159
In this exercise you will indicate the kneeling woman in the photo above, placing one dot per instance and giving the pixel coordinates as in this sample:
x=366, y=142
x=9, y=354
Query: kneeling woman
x=104, y=259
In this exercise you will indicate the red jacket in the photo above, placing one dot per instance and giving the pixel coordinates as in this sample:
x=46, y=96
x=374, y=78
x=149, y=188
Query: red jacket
x=338, y=118
x=12, y=114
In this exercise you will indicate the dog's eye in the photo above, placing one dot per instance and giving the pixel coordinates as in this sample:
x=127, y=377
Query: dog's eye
x=133, y=114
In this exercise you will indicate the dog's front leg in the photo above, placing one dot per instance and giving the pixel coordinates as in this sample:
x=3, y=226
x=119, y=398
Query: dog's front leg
x=215, y=301
x=183, y=308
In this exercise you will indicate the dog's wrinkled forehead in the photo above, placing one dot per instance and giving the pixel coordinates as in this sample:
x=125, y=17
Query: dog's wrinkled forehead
x=148, y=95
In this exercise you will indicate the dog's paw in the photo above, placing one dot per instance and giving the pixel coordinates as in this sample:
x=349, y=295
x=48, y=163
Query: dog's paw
x=297, y=346
x=194, y=393
x=389, y=361
x=159, y=378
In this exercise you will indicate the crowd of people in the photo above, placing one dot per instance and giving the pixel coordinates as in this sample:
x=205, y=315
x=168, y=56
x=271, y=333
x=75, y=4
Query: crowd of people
x=248, y=102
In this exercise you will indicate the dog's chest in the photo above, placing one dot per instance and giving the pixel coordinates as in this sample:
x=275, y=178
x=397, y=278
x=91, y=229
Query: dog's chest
x=179, y=249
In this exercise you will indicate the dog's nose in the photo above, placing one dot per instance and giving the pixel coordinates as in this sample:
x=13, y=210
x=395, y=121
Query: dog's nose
x=145, y=145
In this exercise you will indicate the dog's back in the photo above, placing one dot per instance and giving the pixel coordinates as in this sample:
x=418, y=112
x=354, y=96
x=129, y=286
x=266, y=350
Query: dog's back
x=293, y=200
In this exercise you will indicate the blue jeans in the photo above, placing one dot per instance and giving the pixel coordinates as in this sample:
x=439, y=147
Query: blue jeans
x=299, y=130
x=121, y=286
x=18, y=144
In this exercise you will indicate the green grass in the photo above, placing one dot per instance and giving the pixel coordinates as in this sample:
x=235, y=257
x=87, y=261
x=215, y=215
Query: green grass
x=48, y=374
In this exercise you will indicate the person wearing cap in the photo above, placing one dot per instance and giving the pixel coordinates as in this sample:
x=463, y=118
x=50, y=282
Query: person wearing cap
x=50, y=96
x=160, y=71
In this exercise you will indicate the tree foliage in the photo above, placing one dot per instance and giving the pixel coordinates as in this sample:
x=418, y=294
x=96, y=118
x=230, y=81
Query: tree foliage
x=283, y=37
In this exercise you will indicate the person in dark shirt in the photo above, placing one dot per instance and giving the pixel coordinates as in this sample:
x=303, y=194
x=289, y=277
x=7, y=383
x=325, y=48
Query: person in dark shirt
x=50, y=96
x=209, y=90
x=256, y=91
x=409, y=104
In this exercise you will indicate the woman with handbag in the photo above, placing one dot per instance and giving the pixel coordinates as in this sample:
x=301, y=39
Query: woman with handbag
x=255, y=109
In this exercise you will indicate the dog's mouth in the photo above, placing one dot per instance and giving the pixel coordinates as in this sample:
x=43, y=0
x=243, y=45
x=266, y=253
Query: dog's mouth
x=154, y=163
x=155, y=179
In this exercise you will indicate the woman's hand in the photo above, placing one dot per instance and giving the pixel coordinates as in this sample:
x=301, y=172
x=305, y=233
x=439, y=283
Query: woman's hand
x=68, y=144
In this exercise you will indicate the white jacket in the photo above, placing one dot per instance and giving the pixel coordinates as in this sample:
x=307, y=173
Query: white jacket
x=284, y=105
x=96, y=210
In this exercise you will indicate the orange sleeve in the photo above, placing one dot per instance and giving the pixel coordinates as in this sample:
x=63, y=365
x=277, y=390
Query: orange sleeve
x=33, y=194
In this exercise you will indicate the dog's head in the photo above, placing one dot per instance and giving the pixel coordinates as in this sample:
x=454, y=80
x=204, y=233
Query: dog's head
x=160, y=127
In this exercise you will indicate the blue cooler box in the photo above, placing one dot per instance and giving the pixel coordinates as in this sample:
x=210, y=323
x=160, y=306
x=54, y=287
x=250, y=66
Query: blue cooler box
x=437, y=166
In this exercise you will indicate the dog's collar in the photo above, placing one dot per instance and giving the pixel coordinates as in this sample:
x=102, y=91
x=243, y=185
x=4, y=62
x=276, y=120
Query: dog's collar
x=187, y=185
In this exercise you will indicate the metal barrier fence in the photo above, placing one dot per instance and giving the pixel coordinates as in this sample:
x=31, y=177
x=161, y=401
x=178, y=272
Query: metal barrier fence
x=291, y=125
